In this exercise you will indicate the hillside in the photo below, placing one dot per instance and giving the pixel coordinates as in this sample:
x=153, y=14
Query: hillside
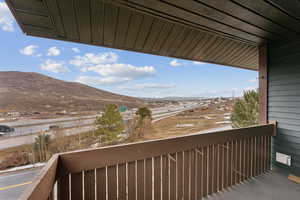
x=27, y=91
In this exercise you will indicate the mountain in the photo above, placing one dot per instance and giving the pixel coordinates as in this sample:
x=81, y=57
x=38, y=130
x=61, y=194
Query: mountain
x=27, y=91
x=173, y=98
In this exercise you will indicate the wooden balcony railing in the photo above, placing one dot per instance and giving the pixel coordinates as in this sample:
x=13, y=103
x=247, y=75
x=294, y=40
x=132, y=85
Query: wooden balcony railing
x=188, y=167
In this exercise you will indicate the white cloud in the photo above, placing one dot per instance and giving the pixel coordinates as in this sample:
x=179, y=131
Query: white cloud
x=6, y=18
x=90, y=59
x=122, y=70
x=253, y=80
x=98, y=80
x=110, y=71
x=147, y=86
x=198, y=63
x=54, y=66
x=30, y=50
x=175, y=63
x=53, y=51
x=76, y=50
x=250, y=88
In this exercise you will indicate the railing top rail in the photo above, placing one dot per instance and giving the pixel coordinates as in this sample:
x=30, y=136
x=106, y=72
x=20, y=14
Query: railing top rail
x=43, y=183
x=96, y=158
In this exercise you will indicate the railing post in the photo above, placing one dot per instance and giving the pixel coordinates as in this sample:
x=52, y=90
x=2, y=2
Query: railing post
x=263, y=84
x=62, y=183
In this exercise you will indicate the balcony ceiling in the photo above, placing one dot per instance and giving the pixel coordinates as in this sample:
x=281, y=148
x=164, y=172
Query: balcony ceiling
x=216, y=31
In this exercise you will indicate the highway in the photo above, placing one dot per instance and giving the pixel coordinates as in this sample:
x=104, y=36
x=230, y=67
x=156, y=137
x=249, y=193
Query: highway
x=73, y=126
x=26, y=127
x=32, y=126
x=13, y=184
x=9, y=142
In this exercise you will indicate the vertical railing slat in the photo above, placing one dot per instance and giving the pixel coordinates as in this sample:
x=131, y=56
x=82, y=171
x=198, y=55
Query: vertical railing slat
x=172, y=176
x=131, y=180
x=199, y=173
x=243, y=158
x=268, y=152
x=210, y=169
x=230, y=161
x=157, y=177
x=140, y=179
x=101, y=183
x=205, y=174
x=76, y=186
x=122, y=182
x=239, y=170
x=89, y=185
x=148, y=179
x=223, y=165
x=220, y=166
x=250, y=157
x=261, y=155
x=253, y=157
x=247, y=155
x=186, y=177
x=234, y=162
x=226, y=172
x=265, y=153
x=257, y=155
x=63, y=187
x=179, y=172
x=165, y=177
x=112, y=182
x=192, y=174
x=215, y=168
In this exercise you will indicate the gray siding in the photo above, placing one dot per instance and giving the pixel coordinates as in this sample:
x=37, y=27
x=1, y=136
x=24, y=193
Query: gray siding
x=284, y=100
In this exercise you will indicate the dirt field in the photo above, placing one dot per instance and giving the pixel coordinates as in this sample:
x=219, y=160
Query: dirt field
x=192, y=121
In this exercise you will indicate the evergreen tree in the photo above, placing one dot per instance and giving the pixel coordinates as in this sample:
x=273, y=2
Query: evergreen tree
x=245, y=110
x=110, y=124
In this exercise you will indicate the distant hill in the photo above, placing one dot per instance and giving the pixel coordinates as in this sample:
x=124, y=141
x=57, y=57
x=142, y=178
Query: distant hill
x=175, y=98
x=27, y=91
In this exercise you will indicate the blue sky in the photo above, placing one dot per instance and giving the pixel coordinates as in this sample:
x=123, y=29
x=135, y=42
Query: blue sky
x=118, y=71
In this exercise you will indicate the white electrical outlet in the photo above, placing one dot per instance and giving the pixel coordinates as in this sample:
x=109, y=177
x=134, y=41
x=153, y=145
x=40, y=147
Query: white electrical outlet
x=283, y=158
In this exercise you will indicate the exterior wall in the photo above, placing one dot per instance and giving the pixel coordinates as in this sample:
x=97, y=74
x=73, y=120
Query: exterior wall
x=284, y=100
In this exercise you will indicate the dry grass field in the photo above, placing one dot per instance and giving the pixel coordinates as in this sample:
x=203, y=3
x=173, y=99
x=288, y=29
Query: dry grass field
x=191, y=121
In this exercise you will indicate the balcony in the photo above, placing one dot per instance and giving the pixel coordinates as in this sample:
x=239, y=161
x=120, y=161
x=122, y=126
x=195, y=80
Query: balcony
x=187, y=167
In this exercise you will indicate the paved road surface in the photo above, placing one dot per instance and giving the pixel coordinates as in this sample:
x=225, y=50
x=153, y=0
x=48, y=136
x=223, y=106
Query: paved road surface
x=32, y=126
x=29, y=139
x=13, y=184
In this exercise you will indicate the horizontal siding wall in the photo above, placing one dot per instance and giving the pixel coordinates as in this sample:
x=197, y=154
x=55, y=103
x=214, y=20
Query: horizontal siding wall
x=284, y=101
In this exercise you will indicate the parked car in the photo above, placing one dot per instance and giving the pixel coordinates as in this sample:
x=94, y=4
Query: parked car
x=5, y=129
x=54, y=127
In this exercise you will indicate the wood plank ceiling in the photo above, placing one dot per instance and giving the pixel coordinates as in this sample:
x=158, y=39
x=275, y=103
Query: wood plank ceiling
x=225, y=32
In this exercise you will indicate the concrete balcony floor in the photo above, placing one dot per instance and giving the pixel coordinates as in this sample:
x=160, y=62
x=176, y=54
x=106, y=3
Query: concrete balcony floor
x=273, y=185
